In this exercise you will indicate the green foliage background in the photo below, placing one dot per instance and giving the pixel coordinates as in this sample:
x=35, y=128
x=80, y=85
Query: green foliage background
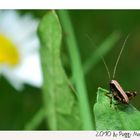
x=17, y=109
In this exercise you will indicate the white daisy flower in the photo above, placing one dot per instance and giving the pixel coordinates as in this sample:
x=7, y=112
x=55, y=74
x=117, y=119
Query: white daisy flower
x=19, y=49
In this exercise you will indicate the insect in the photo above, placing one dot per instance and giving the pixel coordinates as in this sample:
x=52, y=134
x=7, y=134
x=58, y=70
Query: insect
x=118, y=93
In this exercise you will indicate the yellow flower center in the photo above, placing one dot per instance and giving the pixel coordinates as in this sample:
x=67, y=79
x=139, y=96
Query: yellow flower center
x=8, y=52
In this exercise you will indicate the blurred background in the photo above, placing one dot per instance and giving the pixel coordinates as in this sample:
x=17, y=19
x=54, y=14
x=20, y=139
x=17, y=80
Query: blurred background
x=17, y=107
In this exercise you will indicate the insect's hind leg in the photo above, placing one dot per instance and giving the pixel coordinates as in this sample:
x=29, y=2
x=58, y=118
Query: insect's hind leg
x=131, y=94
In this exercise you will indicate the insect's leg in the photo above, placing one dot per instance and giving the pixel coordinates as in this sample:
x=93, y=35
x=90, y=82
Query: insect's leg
x=110, y=101
x=131, y=94
x=110, y=97
x=117, y=99
x=116, y=102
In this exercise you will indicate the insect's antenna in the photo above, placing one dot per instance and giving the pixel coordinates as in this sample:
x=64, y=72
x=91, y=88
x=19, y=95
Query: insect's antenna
x=116, y=64
x=106, y=67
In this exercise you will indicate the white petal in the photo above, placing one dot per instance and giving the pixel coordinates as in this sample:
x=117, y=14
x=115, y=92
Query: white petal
x=30, y=45
x=30, y=70
x=17, y=83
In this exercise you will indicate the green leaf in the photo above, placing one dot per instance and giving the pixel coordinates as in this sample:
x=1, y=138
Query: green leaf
x=114, y=117
x=61, y=105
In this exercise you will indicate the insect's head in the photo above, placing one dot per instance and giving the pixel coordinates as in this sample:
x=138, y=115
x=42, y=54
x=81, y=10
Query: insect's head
x=112, y=86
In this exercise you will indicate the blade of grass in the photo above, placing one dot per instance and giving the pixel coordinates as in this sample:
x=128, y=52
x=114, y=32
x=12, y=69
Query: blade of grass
x=77, y=70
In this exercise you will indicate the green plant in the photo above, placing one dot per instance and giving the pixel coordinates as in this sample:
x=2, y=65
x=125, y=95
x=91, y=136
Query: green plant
x=66, y=108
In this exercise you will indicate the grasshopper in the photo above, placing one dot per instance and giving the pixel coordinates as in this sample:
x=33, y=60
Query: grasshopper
x=116, y=89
